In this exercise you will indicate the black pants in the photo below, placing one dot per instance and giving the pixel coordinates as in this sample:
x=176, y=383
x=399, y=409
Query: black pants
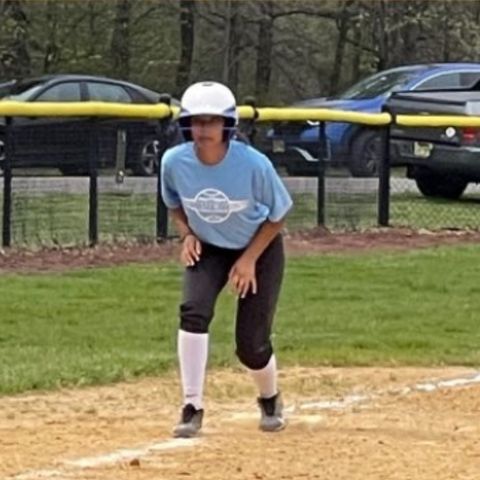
x=204, y=282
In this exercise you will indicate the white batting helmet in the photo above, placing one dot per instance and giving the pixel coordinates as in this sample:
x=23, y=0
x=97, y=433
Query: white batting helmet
x=208, y=98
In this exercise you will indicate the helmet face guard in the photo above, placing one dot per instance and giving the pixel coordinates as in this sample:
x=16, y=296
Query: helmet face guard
x=229, y=128
x=208, y=98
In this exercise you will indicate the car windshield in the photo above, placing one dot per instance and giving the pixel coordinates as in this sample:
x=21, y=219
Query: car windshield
x=20, y=92
x=6, y=88
x=378, y=84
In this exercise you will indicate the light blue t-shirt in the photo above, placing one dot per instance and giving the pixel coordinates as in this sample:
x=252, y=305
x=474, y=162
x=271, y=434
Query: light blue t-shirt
x=227, y=202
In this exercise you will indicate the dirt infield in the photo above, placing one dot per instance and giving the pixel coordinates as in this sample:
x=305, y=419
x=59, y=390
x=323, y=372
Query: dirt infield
x=355, y=424
x=350, y=424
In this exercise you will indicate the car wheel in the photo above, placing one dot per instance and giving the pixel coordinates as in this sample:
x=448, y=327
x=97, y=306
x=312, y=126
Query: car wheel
x=146, y=161
x=443, y=186
x=365, y=154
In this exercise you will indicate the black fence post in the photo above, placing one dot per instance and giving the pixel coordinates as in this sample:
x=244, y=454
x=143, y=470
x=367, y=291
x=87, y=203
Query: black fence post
x=163, y=144
x=93, y=185
x=322, y=155
x=384, y=178
x=7, y=185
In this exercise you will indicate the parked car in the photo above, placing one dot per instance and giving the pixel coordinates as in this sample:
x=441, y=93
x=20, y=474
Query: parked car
x=442, y=160
x=295, y=145
x=62, y=142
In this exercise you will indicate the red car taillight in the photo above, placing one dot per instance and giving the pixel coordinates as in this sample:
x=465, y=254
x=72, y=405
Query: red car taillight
x=471, y=136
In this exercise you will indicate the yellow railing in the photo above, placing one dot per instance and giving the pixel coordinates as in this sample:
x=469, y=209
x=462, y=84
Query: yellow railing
x=263, y=114
x=320, y=114
x=437, y=121
x=83, y=109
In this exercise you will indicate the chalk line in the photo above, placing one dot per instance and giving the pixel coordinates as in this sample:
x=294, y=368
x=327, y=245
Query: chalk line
x=125, y=455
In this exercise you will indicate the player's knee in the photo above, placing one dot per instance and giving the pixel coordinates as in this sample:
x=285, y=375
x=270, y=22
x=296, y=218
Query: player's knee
x=254, y=357
x=194, y=317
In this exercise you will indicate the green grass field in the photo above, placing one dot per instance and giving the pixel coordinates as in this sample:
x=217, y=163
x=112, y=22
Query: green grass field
x=103, y=325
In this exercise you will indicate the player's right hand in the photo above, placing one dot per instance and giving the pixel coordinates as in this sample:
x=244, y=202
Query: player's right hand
x=191, y=250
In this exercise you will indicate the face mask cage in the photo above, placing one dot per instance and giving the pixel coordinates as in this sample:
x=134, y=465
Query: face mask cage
x=186, y=128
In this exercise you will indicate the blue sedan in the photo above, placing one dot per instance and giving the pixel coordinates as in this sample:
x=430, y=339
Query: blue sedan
x=295, y=145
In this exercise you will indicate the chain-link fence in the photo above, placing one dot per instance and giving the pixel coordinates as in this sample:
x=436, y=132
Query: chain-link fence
x=69, y=181
x=410, y=208
x=55, y=210
x=348, y=203
x=90, y=200
x=50, y=209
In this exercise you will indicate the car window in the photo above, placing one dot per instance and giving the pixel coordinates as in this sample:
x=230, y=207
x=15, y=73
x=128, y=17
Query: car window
x=450, y=80
x=62, y=92
x=104, y=92
x=469, y=79
x=379, y=84
x=446, y=80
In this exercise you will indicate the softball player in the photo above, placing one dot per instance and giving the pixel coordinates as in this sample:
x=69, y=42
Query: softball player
x=229, y=206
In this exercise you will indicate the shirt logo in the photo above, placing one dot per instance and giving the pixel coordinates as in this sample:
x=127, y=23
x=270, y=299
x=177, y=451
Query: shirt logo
x=213, y=206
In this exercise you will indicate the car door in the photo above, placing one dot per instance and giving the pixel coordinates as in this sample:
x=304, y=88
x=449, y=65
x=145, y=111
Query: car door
x=139, y=134
x=52, y=141
x=109, y=128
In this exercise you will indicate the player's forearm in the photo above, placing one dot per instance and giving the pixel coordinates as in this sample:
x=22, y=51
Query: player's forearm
x=262, y=239
x=181, y=222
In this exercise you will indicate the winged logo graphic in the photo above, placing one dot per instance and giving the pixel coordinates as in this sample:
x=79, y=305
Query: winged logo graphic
x=213, y=206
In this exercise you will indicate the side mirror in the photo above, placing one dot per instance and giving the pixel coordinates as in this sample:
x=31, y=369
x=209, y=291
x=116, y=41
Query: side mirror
x=165, y=98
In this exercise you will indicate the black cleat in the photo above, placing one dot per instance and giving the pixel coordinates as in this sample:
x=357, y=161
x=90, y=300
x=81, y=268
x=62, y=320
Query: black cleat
x=190, y=422
x=272, y=417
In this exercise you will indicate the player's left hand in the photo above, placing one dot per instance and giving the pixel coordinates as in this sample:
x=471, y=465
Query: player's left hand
x=242, y=277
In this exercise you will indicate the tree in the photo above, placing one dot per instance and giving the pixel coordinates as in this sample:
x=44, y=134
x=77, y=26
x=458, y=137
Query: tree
x=52, y=50
x=343, y=22
x=120, y=44
x=263, y=69
x=15, y=57
x=187, y=39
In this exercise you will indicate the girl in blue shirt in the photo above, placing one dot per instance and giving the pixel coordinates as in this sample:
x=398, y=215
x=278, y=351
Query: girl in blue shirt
x=228, y=205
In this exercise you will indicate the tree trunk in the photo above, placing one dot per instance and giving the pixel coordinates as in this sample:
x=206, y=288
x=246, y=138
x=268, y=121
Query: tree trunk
x=120, y=44
x=92, y=16
x=51, y=50
x=187, y=42
x=382, y=36
x=446, y=36
x=15, y=59
x=232, y=45
x=264, y=52
x=343, y=25
x=357, y=58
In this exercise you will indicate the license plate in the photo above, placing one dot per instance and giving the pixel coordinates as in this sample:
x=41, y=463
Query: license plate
x=278, y=146
x=422, y=149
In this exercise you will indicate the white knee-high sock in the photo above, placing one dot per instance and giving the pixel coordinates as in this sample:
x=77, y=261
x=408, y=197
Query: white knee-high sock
x=266, y=378
x=192, y=355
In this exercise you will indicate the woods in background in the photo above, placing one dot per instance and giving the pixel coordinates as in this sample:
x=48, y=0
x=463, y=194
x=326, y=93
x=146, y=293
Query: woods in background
x=278, y=51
